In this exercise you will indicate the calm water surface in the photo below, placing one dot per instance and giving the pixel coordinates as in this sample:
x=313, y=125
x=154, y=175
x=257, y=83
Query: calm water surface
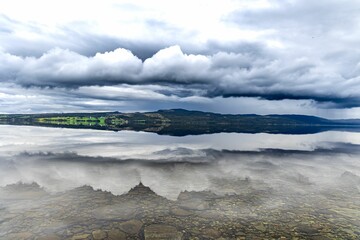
x=88, y=184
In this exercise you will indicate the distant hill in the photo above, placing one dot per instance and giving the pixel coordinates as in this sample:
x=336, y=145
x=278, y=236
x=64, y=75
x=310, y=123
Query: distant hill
x=181, y=122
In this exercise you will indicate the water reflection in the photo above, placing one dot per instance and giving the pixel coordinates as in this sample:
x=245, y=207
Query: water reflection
x=235, y=186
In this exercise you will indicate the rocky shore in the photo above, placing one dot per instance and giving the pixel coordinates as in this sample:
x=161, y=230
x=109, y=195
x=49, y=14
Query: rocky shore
x=29, y=212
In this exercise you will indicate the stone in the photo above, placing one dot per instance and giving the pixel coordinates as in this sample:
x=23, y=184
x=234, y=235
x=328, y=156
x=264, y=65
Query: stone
x=306, y=229
x=320, y=238
x=180, y=212
x=350, y=177
x=195, y=204
x=162, y=232
x=211, y=233
x=261, y=227
x=117, y=211
x=131, y=226
x=19, y=236
x=115, y=234
x=49, y=237
x=99, y=234
x=80, y=236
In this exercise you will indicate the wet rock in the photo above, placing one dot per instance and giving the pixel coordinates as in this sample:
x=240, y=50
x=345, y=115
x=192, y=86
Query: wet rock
x=80, y=236
x=99, y=234
x=261, y=227
x=162, y=232
x=140, y=189
x=180, y=212
x=303, y=180
x=350, y=177
x=306, y=229
x=211, y=233
x=320, y=238
x=331, y=215
x=196, y=195
x=118, y=211
x=22, y=191
x=196, y=200
x=131, y=227
x=115, y=234
x=49, y=237
x=20, y=235
x=195, y=204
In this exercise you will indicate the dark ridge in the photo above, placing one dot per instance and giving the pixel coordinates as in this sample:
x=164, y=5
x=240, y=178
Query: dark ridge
x=181, y=122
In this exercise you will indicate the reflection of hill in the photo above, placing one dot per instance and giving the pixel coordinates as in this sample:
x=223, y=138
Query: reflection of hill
x=179, y=122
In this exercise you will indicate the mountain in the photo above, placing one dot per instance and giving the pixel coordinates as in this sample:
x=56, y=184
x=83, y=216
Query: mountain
x=180, y=122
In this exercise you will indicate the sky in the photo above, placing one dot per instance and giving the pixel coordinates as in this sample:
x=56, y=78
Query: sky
x=229, y=56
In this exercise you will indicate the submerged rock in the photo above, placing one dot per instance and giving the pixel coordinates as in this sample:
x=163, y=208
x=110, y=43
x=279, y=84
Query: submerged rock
x=118, y=211
x=196, y=200
x=20, y=235
x=115, y=234
x=99, y=234
x=49, y=237
x=261, y=227
x=180, y=212
x=195, y=204
x=162, y=232
x=80, y=236
x=350, y=177
x=211, y=233
x=306, y=229
x=22, y=191
x=141, y=189
x=197, y=195
x=131, y=227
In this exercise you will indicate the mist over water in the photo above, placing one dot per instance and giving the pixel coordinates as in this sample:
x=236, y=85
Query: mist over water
x=264, y=172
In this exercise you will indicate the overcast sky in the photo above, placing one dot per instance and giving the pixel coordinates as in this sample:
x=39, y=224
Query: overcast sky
x=230, y=56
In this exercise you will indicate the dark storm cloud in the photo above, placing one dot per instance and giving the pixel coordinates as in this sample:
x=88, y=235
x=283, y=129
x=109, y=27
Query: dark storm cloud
x=306, y=51
x=220, y=74
x=329, y=101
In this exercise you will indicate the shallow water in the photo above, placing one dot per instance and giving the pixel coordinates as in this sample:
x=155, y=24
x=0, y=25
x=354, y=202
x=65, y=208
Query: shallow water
x=88, y=184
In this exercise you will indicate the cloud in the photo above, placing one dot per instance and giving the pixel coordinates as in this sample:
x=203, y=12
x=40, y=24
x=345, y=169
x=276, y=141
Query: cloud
x=64, y=68
x=272, y=50
x=221, y=74
x=328, y=14
x=173, y=66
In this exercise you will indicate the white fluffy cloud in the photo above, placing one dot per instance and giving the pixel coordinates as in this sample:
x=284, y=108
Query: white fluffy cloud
x=66, y=68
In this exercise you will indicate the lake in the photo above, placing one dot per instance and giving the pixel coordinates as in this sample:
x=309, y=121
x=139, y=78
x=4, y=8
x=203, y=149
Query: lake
x=60, y=183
